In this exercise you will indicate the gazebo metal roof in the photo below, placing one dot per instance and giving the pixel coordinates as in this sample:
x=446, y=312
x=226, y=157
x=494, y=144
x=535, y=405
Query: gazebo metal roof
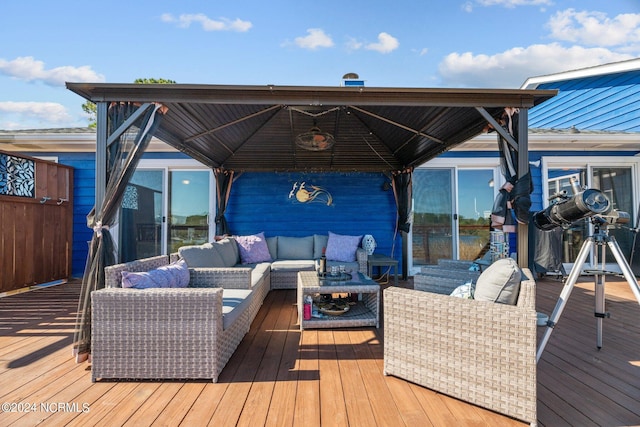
x=253, y=128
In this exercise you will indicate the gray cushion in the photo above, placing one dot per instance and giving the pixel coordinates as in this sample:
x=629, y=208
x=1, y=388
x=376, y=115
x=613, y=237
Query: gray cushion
x=199, y=256
x=228, y=251
x=234, y=303
x=319, y=243
x=295, y=247
x=272, y=244
x=500, y=282
x=294, y=265
x=259, y=272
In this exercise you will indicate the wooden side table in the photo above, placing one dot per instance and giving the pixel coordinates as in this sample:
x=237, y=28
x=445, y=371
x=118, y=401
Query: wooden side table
x=379, y=260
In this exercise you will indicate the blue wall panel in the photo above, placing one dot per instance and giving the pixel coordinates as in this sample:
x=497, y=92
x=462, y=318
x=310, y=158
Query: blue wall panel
x=261, y=202
x=83, y=165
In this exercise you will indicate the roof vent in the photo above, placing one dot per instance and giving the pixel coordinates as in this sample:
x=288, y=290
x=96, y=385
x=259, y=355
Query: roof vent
x=352, y=79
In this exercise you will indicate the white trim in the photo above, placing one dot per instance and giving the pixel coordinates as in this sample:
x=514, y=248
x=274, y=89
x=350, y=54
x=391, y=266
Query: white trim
x=616, y=67
x=170, y=164
x=448, y=162
x=53, y=159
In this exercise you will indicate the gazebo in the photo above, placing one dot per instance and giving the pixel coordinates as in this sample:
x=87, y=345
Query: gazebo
x=294, y=128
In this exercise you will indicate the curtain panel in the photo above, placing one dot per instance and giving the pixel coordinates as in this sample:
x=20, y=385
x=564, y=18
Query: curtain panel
x=224, y=180
x=123, y=155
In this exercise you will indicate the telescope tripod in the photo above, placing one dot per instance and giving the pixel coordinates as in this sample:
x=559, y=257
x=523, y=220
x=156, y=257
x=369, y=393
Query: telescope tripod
x=599, y=241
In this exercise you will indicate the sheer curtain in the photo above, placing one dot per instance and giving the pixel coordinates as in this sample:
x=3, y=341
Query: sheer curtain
x=123, y=155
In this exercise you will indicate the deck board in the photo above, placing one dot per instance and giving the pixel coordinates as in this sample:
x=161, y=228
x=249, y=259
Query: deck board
x=280, y=376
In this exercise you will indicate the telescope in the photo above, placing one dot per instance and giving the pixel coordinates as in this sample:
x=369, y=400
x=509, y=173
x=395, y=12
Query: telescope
x=568, y=210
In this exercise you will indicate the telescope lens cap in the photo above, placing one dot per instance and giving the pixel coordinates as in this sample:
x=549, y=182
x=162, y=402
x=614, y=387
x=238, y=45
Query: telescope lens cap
x=596, y=201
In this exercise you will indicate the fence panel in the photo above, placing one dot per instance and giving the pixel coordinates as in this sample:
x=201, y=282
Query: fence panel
x=36, y=217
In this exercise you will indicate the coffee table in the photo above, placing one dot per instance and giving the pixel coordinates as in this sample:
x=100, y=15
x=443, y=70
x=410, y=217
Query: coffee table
x=364, y=313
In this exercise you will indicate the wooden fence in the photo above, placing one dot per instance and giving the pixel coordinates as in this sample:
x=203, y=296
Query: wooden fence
x=36, y=221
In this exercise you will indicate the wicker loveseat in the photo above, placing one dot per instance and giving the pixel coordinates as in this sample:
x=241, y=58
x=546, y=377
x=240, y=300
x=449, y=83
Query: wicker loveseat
x=478, y=351
x=171, y=333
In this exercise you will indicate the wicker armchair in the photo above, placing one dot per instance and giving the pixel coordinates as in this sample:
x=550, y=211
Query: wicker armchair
x=479, y=352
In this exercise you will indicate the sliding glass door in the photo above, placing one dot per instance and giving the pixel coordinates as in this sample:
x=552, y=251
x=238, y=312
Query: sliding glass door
x=141, y=216
x=432, y=229
x=164, y=209
x=615, y=181
x=452, y=213
x=475, y=202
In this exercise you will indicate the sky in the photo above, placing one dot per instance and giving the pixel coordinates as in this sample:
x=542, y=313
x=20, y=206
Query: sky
x=401, y=43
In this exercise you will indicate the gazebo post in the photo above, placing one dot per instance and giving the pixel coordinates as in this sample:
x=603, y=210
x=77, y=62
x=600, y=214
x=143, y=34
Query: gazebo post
x=101, y=153
x=523, y=169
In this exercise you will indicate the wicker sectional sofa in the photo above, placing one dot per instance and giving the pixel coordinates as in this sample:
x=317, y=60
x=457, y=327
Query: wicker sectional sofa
x=171, y=333
x=285, y=258
x=190, y=333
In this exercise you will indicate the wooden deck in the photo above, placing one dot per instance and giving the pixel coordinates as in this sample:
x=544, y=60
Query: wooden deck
x=279, y=376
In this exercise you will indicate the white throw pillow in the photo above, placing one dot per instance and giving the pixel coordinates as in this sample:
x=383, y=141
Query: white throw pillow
x=463, y=291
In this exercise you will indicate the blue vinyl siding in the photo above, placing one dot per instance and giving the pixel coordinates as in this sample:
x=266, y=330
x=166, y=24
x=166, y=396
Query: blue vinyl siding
x=600, y=103
x=260, y=202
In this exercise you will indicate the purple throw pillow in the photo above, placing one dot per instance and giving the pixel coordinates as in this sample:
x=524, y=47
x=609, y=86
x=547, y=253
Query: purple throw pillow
x=174, y=275
x=253, y=249
x=342, y=248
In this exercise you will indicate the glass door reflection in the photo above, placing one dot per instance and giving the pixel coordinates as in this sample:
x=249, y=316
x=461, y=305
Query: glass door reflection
x=475, y=202
x=432, y=215
x=141, y=216
x=188, y=208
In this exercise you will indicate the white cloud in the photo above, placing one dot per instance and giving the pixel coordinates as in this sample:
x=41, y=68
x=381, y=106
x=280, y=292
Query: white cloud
x=223, y=24
x=509, y=69
x=386, y=43
x=34, y=115
x=353, y=44
x=595, y=28
x=28, y=69
x=315, y=38
x=514, y=3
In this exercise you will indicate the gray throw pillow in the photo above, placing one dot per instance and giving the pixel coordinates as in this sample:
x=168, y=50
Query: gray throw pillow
x=319, y=244
x=295, y=247
x=199, y=256
x=500, y=282
x=272, y=244
x=228, y=250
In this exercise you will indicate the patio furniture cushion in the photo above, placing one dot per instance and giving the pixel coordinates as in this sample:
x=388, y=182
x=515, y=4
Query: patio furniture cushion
x=319, y=244
x=259, y=272
x=234, y=302
x=228, y=250
x=272, y=244
x=293, y=265
x=201, y=256
x=463, y=291
x=500, y=282
x=253, y=248
x=295, y=247
x=174, y=275
x=342, y=248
